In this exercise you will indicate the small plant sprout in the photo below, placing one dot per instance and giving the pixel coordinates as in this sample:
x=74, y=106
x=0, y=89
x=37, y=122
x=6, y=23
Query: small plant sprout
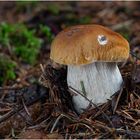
x=91, y=53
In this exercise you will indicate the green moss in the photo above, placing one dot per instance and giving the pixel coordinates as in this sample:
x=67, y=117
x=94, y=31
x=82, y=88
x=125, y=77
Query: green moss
x=25, y=45
x=72, y=19
x=85, y=20
x=5, y=30
x=7, y=69
x=53, y=8
x=125, y=32
x=47, y=32
x=26, y=6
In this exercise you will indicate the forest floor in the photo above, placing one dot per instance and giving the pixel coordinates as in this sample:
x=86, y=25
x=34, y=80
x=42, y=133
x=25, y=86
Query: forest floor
x=34, y=99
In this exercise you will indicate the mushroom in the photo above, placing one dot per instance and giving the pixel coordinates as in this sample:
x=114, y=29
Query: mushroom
x=91, y=53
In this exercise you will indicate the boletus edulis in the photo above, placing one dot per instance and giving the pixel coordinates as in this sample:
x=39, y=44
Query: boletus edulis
x=91, y=53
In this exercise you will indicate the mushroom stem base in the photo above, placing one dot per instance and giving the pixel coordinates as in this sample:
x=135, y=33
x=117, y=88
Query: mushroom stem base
x=100, y=80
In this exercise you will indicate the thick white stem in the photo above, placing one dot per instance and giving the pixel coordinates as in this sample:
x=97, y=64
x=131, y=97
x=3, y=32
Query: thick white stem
x=101, y=80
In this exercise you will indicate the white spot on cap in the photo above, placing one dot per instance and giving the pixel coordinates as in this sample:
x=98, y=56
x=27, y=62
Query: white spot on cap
x=102, y=39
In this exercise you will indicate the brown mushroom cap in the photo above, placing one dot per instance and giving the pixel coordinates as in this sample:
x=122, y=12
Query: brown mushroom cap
x=79, y=45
